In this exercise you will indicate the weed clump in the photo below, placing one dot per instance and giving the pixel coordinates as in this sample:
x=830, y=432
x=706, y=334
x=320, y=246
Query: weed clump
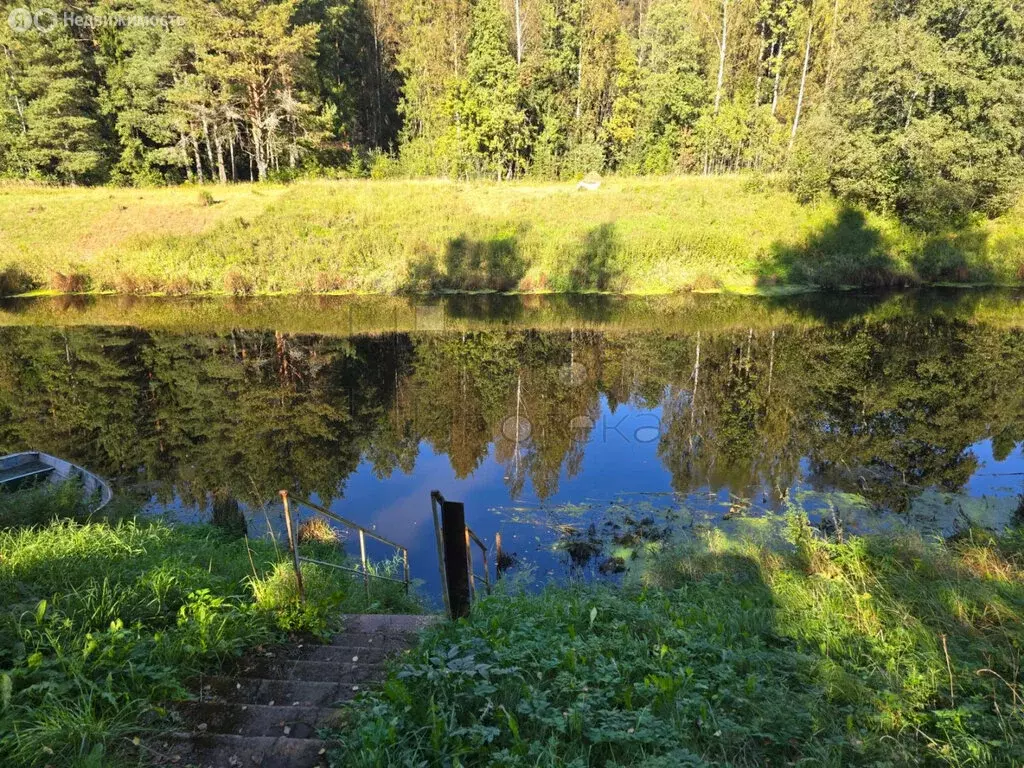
x=73, y=282
x=318, y=530
x=705, y=282
x=181, y=285
x=237, y=283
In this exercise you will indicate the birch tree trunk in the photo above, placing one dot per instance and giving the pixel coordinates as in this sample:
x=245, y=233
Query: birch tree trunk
x=221, y=170
x=722, y=45
x=803, y=84
x=778, y=75
x=519, y=31
x=579, y=69
x=198, y=158
x=209, y=148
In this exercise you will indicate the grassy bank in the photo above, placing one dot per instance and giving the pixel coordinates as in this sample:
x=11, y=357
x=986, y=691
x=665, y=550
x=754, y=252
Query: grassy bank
x=354, y=315
x=631, y=235
x=745, y=652
x=102, y=623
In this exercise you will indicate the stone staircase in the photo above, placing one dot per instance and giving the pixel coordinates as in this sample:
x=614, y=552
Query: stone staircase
x=268, y=713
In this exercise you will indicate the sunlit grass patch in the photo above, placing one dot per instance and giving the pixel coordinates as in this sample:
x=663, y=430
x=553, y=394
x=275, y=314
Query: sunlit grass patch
x=639, y=235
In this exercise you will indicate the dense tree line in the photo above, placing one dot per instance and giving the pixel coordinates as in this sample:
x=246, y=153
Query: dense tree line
x=915, y=106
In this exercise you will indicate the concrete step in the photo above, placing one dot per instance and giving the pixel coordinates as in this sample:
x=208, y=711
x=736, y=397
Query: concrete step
x=297, y=722
x=345, y=672
x=254, y=690
x=343, y=653
x=390, y=643
x=217, y=750
x=241, y=716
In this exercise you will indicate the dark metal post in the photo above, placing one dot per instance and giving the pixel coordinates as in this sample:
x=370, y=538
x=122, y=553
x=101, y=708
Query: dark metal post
x=456, y=557
x=293, y=545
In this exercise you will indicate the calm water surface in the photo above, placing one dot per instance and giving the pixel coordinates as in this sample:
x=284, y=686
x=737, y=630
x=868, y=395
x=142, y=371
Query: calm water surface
x=579, y=428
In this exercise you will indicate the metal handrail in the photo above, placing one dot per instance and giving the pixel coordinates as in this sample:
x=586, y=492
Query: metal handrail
x=470, y=536
x=293, y=545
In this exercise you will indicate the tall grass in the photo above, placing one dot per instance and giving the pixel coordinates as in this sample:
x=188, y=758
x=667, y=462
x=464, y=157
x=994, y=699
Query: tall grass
x=102, y=623
x=651, y=235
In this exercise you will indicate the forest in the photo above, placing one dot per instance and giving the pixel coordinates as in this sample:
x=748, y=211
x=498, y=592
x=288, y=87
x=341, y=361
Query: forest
x=911, y=107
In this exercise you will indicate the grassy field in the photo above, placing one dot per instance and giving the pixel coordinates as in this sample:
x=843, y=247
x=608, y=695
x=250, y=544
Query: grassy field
x=652, y=235
x=727, y=652
x=102, y=622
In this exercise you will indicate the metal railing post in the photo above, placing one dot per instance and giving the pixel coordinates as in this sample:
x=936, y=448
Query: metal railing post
x=293, y=545
x=362, y=556
x=405, y=568
x=469, y=567
x=497, y=556
x=363, y=569
x=487, y=571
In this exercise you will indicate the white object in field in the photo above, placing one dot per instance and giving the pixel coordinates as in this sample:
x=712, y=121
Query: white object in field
x=591, y=182
x=36, y=464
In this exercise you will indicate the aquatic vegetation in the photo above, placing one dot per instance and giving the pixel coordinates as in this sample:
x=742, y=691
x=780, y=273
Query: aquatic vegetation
x=318, y=529
x=742, y=651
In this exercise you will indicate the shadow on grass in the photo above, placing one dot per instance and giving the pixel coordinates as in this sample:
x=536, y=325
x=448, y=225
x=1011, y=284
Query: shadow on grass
x=593, y=268
x=608, y=676
x=849, y=252
x=930, y=636
x=958, y=256
x=15, y=280
x=496, y=264
x=492, y=263
x=845, y=252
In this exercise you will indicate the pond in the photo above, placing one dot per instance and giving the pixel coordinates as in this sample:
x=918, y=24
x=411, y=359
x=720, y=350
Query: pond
x=577, y=427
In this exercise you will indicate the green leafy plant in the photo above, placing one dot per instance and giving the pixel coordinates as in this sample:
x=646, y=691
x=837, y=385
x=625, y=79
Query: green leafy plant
x=726, y=651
